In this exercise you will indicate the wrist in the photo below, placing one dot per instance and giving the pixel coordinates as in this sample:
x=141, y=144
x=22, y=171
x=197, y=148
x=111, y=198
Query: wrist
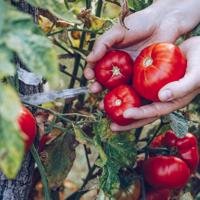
x=185, y=12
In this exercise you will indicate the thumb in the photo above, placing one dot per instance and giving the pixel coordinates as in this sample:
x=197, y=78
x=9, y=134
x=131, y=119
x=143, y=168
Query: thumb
x=178, y=89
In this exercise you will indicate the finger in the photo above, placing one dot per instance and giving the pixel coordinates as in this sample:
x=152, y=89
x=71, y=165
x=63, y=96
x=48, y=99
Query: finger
x=136, y=124
x=158, y=109
x=139, y=26
x=89, y=73
x=101, y=105
x=95, y=88
x=180, y=88
x=105, y=42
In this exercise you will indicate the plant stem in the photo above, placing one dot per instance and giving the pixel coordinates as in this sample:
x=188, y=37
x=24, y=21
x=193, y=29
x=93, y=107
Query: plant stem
x=42, y=172
x=138, y=133
x=88, y=4
x=74, y=29
x=81, y=191
x=87, y=158
x=91, y=44
x=154, y=135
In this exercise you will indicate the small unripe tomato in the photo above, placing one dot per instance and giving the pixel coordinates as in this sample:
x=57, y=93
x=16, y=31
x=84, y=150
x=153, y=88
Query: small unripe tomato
x=27, y=125
x=118, y=100
x=114, y=69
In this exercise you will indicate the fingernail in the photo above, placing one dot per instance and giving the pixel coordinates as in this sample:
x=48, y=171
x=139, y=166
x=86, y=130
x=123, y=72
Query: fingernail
x=165, y=95
x=130, y=113
x=113, y=127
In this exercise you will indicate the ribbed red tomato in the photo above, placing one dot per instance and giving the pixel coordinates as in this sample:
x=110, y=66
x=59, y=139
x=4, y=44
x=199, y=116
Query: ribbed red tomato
x=118, y=100
x=166, y=172
x=114, y=69
x=27, y=124
x=156, y=194
x=157, y=65
x=187, y=147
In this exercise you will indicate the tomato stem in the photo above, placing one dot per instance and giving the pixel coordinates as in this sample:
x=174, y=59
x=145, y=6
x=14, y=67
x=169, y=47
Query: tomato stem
x=148, y=61
x=118, y=102
x=116, y=71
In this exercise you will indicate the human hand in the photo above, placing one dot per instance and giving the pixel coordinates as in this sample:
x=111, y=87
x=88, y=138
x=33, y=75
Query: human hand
x=174, y=95
x=163, y=21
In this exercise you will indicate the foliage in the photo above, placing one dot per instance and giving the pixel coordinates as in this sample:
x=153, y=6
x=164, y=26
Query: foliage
x=65, y=34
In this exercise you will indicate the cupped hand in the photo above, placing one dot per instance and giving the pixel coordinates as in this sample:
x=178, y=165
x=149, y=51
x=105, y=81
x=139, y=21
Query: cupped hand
x=163, y=21
x=174, y=95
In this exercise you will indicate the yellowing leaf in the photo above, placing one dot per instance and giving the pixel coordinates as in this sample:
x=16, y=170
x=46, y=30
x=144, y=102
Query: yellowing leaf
x=44, y=23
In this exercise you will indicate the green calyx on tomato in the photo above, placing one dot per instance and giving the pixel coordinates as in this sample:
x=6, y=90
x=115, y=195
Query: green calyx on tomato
x=118, y=100
x=27, y=125
x=114, y=69
x=187, y=147
x=156, y=66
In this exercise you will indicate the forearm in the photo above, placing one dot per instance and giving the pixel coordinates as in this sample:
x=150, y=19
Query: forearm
x=187, y=12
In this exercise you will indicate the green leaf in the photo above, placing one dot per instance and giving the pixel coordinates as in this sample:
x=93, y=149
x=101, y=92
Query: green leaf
x=178, y=124
x=102, y=128
x=56, y=7
x=103, y=157
x=6, y=67
x=36, y=52
x=22, y=36
x=60, y=155
x=101, y=195
x=139, y=4
x=81, y=137
x=11, y=143
x=121, y=149
x=2, y=15
x=186, y=196
x=10, y=103
x=109, y=180
x=11, y=148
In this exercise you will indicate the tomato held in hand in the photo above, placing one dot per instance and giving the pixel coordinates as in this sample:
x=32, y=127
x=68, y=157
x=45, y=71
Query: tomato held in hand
x=114, y=69
x=27, y=125
x=118, y=100
x=166, y=172
x=155, y=194
x=157, y=65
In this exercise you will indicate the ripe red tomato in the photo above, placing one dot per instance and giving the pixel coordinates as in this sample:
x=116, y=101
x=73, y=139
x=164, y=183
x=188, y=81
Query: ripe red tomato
x=155, y=194
x=157, y=65
x=166, y=172
x=187, y=147
x=118, y=100
x=114, y=69
x=27, y=124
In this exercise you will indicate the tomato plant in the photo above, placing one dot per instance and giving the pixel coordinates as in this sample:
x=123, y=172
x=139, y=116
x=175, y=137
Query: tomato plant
x=43, y=141
x=114, y=69
x=187, y=147
x=118, y=100
x=27, y=124
x=157, y=65
x=167, y=172
x=158, y=194
x=133, y=192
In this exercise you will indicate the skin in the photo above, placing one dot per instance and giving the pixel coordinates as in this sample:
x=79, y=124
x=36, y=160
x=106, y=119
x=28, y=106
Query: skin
x=163, y=21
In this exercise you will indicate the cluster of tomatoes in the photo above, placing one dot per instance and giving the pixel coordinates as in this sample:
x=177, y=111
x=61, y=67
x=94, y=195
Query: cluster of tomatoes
x=169, y=172
x=129, y=81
